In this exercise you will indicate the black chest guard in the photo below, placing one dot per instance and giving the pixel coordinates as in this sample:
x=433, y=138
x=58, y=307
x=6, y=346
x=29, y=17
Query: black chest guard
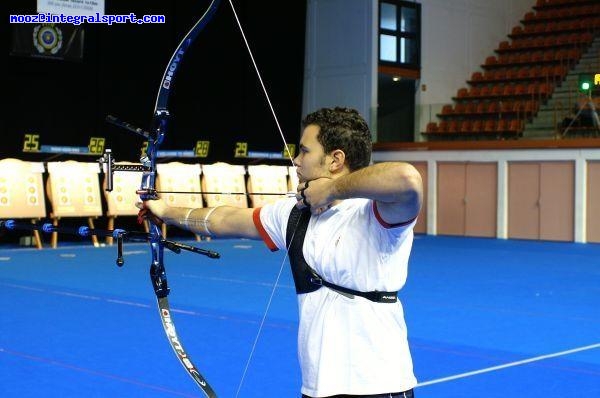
x=306, y=279
x=302, y=272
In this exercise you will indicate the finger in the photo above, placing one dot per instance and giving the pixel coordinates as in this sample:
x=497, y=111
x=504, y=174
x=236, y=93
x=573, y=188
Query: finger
x=302, y=204
x=302, y=186
x=142, y=215
x=317, y=211
x=302, y=194
x=323, y=209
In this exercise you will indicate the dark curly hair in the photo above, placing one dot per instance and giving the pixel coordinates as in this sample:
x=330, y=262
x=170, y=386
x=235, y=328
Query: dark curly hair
x=345, y=129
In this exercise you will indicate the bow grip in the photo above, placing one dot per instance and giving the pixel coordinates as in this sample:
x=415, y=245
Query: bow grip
x=147, y=190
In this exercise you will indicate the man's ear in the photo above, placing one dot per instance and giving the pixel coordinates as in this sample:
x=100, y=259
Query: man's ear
x=338, y=159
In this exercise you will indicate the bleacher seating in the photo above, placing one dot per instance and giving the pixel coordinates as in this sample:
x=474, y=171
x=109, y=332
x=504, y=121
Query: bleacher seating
x=522, y=74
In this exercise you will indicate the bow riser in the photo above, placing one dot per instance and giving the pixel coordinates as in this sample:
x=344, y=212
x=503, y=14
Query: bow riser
x=158, y=274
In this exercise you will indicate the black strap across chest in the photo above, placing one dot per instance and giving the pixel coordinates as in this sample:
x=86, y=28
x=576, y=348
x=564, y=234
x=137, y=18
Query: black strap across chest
x=302, y=272
x=306, y=278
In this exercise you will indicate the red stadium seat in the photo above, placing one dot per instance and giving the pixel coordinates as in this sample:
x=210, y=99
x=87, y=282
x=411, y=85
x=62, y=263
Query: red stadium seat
x=460, y=108
x=493, y=107
x=462, y=93
x=453, y=126
x=476, y=76
x=477, y=127
x=465, y=126
x=447, y=110
x=489, y=126
x=432, y=127
x=443, y=127
x=481, y=107
x=502, y=126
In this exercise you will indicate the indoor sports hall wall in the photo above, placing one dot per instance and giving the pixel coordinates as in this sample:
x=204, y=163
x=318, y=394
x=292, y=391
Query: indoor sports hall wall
x=515, y=190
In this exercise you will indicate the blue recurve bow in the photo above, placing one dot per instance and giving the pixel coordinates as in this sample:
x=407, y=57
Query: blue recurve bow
x=148, y=191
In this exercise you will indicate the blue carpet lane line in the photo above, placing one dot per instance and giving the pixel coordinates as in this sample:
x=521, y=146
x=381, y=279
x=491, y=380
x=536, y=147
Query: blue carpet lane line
x=509, y=365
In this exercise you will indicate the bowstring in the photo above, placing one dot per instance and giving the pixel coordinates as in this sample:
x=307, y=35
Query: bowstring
x=262, y=84
x=289, y=154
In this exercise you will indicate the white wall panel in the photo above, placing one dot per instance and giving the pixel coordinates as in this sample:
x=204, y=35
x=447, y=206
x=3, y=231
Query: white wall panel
x=341, y=62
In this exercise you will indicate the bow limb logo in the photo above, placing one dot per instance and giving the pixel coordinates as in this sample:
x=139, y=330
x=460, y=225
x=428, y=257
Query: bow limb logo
x=172, y=68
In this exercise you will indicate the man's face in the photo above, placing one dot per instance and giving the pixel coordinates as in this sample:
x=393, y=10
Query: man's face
x=311, y=161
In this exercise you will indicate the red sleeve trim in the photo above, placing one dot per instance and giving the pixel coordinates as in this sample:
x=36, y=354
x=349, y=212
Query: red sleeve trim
x=261, y=230
x=385, y=224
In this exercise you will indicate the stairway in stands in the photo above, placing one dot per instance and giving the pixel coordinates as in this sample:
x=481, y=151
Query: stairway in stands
x=564, y=98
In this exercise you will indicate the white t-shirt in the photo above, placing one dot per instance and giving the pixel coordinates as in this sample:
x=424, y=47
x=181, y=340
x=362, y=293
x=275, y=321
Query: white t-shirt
x=349, y=345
